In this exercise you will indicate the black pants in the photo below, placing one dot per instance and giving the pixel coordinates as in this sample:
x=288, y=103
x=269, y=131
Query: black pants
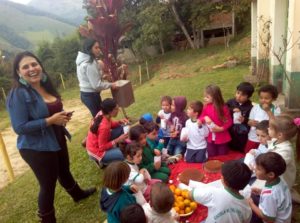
x=49, y=167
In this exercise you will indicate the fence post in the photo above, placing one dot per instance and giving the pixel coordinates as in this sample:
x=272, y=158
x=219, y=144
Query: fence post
x=3, y=92
x=6, y=158
x=140, y=73
x=147, y=70
x=62, y=81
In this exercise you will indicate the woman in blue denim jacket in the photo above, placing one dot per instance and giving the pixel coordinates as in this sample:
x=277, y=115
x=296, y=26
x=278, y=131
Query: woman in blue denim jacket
x=37, y=116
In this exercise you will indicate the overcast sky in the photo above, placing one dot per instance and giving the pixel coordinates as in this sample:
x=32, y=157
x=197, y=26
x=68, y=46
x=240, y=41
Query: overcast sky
x=21, y=1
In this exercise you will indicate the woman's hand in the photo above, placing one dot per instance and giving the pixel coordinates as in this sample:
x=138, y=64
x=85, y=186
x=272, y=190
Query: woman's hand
x=121, y=137
x=217, y=128
x=124, y=121
x=114, y=86
x=59, y=118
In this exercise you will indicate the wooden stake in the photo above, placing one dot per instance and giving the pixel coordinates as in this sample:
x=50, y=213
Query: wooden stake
x=3, y=92
x=6, y=158
x=140, y=73
x=62, y=81
x=147, y=70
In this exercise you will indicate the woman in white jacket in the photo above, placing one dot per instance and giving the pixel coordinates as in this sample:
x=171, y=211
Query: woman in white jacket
x=90, y=76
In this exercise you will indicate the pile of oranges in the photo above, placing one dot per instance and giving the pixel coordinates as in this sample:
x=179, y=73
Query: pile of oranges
x=182, y=205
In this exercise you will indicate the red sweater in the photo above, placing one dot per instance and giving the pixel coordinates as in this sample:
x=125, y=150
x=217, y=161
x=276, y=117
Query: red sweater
x=98, y=144
x=210, y=111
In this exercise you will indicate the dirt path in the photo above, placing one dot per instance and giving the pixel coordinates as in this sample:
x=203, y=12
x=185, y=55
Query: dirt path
x=80, y=117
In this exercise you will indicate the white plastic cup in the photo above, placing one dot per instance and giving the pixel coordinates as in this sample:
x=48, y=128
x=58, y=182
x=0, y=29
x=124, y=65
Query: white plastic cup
x=157, y=159
x=236, y=116
x=126, y=129
x=163, y=123
x=164, y=151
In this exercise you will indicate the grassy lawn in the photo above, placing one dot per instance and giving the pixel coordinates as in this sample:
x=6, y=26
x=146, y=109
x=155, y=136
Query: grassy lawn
x=177, y=73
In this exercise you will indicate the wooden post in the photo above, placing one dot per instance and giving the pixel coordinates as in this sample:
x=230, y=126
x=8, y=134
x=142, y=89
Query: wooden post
x=62, y=81
x=3, y=92
x=140, y=73
x=6, y=158
x=147, y=70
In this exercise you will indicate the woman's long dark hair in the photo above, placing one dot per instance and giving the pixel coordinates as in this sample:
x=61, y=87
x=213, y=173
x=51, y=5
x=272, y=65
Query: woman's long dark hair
x=87, y=48
x=48, y=85
x=107, y=106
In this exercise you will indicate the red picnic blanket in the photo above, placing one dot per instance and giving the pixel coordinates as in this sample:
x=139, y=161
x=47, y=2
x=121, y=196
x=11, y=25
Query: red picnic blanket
x=201, y=212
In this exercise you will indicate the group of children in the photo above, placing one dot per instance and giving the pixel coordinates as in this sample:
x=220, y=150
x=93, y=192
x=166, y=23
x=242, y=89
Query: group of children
x=202, y=132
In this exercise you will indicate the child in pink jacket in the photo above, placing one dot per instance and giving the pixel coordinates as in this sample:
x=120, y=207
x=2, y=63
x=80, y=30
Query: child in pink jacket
x=217, y=117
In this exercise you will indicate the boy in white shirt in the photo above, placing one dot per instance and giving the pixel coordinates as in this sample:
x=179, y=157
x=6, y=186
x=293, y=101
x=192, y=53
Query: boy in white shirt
x=265, y=110
x=195, y=135
x=275, y=204
x=226, y=204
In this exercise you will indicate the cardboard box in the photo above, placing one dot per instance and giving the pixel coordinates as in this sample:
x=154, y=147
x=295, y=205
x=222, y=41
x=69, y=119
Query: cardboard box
x=123, y=95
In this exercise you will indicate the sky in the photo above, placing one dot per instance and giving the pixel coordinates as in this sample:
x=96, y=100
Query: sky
x=21, y=1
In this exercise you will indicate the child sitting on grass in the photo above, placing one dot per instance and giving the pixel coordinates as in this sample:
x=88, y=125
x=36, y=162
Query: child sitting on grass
x=160, y=208
x=140, y=177
x=114, y=195
x=240, y=107
x=275, y=203
x=195, y=135
x=263, y=137
x=157, y=170
x=226, y=204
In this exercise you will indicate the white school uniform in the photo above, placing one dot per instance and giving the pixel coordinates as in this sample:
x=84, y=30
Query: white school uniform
x=223, y=205
x=276, y=203
x=196, y=136
x=154, y=217
x=286, y=151
x=250, y=159
x=258, y=114
x=166, y=117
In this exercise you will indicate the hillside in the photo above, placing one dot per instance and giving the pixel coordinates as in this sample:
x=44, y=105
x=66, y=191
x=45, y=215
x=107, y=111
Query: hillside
x=23, y=27
x=67, y=9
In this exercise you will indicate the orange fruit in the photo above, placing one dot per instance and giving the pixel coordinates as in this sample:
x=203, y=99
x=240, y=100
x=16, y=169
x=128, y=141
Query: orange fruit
x=172, y=187
x=187, y=210
x=179, y=198
x=187, y=202
x=185, y=193
x=177, y=191
x=181, y=205
x=193, y=205
x=181, y=212
x=177, y=209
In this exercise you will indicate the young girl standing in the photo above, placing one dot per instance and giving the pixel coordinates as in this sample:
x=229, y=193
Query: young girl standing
x=157, y=170
x=218, y=119
x=140, y=177
x=115, y=196
x=162, y=117
x=177, y=122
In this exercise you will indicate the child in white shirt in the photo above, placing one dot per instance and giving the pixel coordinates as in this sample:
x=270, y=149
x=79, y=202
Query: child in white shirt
x=160, y=207
x=275, y=203
x=265, y=110
x=263, y=137
x=162, y=118
x=195, y=135
x=226, y=204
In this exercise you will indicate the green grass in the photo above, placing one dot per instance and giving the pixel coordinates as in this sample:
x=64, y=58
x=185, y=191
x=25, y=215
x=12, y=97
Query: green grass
x=18, y=200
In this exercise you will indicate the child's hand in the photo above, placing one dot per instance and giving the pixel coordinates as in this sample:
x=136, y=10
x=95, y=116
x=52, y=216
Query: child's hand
x=250, y=201
x=252, y=123
x=217, y=128
x=157, y=165
x=266, y=107
x=207, y=120
x=199, y=123
x=236, y=110
x=161, y=141
x=174, y=134
x=241, y=119
x=184, y=139
x=256, y=191
x=134, y=188
x=252, y=152
x=156, y=152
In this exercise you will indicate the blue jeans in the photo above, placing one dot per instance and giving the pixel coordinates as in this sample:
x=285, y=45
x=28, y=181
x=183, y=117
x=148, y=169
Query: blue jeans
x=175, y=146
x=111, y=155
x=92, y=100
